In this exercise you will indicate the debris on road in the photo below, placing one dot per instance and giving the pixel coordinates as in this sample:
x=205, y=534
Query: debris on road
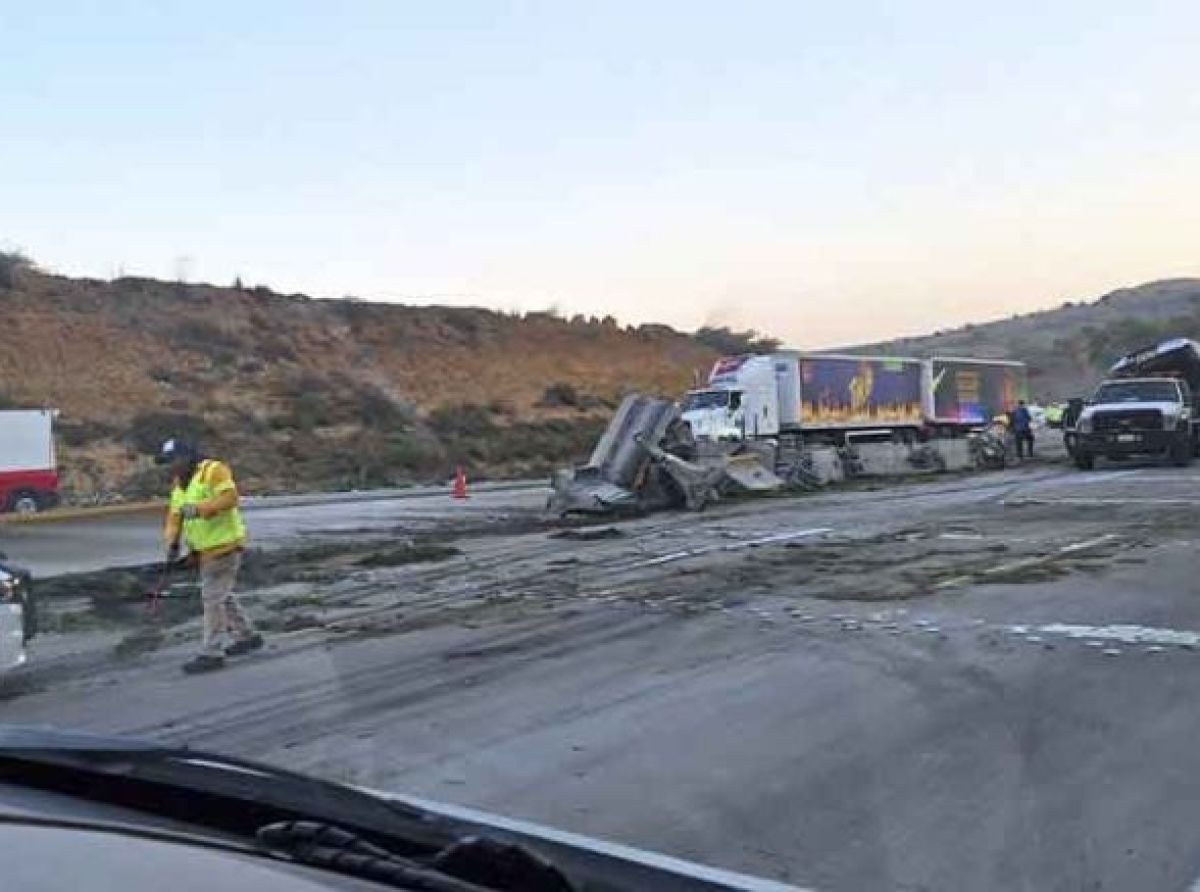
x=593, y=534
x=1123, y=634
x=647, y=459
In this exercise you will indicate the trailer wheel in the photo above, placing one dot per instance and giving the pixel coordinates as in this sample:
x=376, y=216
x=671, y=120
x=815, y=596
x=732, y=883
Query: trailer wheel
x=24, y=502
x=1085, y=461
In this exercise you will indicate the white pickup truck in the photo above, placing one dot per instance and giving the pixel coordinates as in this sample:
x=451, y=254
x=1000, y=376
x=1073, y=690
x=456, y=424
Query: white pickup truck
x=1146, y=408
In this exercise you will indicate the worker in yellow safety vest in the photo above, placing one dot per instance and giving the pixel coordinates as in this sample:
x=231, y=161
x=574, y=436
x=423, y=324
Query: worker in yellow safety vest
x=203, y=514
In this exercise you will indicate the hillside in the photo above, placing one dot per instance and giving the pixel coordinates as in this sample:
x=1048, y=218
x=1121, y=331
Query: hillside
x=1069, y=348
x=305, y=393
x=312, y=394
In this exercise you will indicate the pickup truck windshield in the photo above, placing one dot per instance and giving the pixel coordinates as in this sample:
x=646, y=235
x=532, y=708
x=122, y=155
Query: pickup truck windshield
x=1137, y=391
x=706, y=399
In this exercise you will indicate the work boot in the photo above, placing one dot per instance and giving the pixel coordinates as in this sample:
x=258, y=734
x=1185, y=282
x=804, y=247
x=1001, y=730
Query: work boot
x=244, y=646
x=203, y=663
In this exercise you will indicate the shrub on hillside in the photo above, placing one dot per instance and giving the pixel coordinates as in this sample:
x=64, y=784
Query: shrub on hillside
x=461, y=422
x=558, y=396
x=13, y=264
x=469, y=434
x=307, y=402
x=81, y=433
x=145, y=483
x=208, y=339
x=312, y=401
x=274, y=348
x=374, y=409
x=148, y=430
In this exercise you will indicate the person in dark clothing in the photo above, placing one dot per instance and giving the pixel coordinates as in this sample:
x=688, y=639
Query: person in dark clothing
x=1022, y=428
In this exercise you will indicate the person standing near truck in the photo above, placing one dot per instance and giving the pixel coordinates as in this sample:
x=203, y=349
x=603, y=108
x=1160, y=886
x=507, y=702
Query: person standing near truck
x=1022, y=428
x=204, y=514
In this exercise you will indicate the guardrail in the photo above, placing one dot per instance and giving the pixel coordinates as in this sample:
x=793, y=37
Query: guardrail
x=62, y=515
x=261, y=503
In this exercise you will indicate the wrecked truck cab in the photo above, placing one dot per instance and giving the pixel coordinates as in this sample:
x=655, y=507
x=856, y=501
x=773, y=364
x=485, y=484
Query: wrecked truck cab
x=649, y=459
x=617, y=477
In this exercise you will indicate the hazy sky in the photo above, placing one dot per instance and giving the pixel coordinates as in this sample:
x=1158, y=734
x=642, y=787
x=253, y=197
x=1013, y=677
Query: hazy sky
x=828, y=172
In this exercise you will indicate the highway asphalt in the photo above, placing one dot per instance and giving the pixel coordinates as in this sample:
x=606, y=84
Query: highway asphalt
x=979, y=684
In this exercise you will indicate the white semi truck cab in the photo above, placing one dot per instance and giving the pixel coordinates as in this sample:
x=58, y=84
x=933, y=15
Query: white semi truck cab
x=742, y=399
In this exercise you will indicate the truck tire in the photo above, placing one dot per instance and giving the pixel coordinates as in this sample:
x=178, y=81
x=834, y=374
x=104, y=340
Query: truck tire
x=24, y=502
x=1085, y=461
x=1180, y=453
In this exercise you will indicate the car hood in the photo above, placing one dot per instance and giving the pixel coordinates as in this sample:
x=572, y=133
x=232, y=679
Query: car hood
x=1167, y=408
x=591, y=863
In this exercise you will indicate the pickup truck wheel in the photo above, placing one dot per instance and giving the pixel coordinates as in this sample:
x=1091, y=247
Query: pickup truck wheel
x=1181, y=453
x=24, y=502
x=1084, y=461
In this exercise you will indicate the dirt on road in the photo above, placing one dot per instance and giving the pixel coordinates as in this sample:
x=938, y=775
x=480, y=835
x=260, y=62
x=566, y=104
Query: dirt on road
x=907, y=542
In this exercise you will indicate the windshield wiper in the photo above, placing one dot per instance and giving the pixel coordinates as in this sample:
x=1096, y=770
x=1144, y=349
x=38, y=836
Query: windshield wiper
x=312, y=821
x=150, y=779
x=472, y=864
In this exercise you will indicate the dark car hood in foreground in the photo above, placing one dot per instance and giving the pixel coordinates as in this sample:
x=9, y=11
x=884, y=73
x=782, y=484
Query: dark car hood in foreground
x=592, y=864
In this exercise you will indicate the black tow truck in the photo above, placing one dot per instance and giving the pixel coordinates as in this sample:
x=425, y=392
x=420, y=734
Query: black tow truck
x=1147, y=407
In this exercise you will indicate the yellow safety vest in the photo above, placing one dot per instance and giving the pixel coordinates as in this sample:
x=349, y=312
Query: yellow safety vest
x=220, y=533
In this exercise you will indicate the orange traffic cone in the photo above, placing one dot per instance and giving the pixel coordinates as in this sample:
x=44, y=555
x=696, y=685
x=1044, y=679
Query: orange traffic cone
x=460, y=484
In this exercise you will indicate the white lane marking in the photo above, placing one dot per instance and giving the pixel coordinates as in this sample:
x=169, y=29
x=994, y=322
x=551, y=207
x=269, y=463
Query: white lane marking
x=1087, y=479
x=1049, y=500
x=1145, y=477
x=1086, y=544
x=1025, y=563
x=1069, y=479
x=1125, y=634
x=780, y=537
x=731, y=546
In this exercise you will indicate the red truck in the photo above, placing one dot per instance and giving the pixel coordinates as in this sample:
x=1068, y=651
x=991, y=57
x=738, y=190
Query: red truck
x=28, y=465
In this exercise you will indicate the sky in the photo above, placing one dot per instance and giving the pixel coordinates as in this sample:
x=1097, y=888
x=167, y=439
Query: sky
x=829, y=173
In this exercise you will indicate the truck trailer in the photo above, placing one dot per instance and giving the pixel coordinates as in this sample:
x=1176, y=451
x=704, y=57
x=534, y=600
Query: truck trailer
x=971, y=392
x=834, y=396
x=28, y=462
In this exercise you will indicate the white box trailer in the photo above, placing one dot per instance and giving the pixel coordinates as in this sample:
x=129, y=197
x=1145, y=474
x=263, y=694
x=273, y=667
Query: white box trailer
x=749, y=397
x=960, y=391
x=756, y=396
x=28, y=462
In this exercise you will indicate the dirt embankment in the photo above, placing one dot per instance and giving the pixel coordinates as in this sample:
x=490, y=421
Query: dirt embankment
x=306, y=394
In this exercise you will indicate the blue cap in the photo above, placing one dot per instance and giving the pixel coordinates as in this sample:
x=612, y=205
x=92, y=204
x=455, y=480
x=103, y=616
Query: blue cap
x=173, y=449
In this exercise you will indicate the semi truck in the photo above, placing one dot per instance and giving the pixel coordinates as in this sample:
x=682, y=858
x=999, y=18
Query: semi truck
x=28, y=462
x=831, y=397
x=1148, y=406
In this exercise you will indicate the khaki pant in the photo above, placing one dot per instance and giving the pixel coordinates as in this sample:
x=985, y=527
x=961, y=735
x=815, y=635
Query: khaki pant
x=222, y=612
